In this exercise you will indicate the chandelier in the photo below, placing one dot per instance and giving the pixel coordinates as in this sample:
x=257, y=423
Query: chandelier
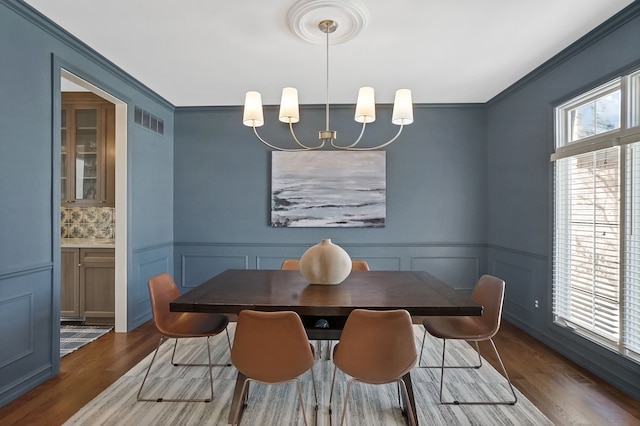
x=365, y=111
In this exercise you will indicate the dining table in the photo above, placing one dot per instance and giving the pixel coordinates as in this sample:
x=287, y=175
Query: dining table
x=325, y=308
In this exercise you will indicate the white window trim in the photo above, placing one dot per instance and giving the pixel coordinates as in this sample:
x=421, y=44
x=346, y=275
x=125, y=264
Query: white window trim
x=628, y=133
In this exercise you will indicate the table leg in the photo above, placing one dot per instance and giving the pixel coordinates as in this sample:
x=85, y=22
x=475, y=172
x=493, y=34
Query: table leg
x=238, y=397
x=412, y=402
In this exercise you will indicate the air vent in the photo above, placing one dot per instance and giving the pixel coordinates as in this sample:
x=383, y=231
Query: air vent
x=148, y=120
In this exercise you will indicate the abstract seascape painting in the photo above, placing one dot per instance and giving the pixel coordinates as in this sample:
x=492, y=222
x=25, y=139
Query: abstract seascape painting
x=328, y=189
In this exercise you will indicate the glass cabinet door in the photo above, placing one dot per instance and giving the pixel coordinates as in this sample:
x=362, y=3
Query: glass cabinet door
x=87, y=163
x=86, y=141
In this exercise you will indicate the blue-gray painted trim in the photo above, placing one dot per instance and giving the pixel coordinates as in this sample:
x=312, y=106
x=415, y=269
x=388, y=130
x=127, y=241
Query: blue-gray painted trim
x=29, y=351
x=583, y=353
x=342, y=244
x=610, y=25
x=205, y=108
x=153, y=247
x=58, y=63
x=627, y=69
x=44, y=23
x=25, y=270
x=56, y=202
x=518, y=252
x=19, y=387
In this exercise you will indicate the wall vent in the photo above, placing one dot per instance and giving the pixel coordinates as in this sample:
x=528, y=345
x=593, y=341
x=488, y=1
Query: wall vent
x=148, y=120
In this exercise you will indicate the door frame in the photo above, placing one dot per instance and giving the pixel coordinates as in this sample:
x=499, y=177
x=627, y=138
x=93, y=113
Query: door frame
x=64, y=71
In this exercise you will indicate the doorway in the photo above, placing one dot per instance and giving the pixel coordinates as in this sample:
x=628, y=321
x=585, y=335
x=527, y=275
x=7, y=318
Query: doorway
x=71, y=82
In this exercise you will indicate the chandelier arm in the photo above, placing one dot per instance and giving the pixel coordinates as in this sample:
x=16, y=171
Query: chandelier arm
x=277, y=148
x=305, y=147
x=352, y=148
x=333, y=144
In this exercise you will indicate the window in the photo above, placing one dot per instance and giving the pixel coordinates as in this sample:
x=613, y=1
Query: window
x=596, y=255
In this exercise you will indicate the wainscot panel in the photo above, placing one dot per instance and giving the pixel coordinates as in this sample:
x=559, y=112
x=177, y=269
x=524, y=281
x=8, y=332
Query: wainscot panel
x=27, y=344
x=459, y=264
x=147, y=262
x=527, y=295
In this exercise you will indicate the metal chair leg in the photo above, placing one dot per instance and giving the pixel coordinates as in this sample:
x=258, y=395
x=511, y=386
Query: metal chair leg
x=448, y=366
x=177, y=364
x=506, y=376
x=162, y=339
x=346, y=400
x=333, y=380
x=244, y=396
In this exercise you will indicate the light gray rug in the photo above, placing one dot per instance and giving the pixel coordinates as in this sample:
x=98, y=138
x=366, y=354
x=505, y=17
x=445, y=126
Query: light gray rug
x=278, y=404
x=73, y=337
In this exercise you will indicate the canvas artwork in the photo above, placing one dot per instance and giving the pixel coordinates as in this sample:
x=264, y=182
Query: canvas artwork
x=328, y=189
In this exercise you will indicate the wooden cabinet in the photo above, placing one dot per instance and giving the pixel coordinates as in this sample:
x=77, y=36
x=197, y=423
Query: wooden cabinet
x=88, y=285
x=87, y=150
x=70, y=283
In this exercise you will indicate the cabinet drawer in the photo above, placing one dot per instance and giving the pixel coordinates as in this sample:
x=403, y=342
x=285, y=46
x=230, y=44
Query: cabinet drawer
x=99, y=256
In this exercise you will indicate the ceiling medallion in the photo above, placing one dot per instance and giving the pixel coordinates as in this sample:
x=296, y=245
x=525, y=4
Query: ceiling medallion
x=304, y=15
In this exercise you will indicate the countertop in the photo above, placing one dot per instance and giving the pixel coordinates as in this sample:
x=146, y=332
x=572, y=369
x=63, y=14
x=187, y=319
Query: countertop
x=87, y=242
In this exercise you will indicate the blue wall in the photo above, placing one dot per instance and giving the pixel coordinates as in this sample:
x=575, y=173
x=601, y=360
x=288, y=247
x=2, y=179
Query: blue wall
x=520, y=142
x=468, y=191
x=32, y=50
x=222, y=193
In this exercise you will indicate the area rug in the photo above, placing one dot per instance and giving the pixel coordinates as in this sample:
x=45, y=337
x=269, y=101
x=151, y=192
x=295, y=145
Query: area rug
x=278, y=404
x=73, y=337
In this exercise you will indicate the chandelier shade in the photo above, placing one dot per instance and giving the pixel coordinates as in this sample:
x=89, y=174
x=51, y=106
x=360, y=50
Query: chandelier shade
x=365, y=112
x=289, y=108
x=366, y=106
x=402, y=108
x=253, y=116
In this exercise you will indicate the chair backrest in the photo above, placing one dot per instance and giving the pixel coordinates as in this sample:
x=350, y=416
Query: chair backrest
x=376, y=346
x=271, y=347
x=294, y=264
x=162, y=291
x=290, y=265
x=489, y=292
x=359, y=265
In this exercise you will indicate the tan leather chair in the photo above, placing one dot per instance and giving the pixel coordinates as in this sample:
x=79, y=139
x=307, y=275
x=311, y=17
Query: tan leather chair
x=290, y=265
x=271, y=347
x=359, y=265
x=376, y=347
x=488, y=292
x=177, y=325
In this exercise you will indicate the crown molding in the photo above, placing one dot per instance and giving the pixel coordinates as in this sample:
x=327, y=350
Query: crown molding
x=38, y=19
x=610, y=25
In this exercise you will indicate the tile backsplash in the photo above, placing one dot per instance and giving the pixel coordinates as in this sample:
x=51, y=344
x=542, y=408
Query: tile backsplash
x=87, y=222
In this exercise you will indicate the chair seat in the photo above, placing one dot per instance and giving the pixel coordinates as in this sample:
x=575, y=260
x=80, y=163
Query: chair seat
x=488, y=292
x=177, y=325
x=192, y=324
x=464, y=328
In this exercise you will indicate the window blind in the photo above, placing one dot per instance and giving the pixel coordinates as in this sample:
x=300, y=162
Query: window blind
x=631, y=283
x=587, y=237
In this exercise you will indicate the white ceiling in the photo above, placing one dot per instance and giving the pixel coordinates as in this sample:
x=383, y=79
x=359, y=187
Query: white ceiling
x=210, y=52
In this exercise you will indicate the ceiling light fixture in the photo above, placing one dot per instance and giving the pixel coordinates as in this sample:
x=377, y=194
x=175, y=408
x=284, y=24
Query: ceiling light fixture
x=365, y=110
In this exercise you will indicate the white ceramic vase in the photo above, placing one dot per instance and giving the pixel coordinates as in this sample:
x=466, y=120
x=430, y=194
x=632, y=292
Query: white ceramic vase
x=325, y=263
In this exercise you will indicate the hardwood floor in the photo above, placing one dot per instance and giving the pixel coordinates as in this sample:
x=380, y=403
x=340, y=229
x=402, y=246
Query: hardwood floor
x=564, y=392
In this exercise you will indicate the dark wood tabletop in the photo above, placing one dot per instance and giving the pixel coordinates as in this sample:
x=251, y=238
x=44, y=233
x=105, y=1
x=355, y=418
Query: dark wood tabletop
x=234, y=290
